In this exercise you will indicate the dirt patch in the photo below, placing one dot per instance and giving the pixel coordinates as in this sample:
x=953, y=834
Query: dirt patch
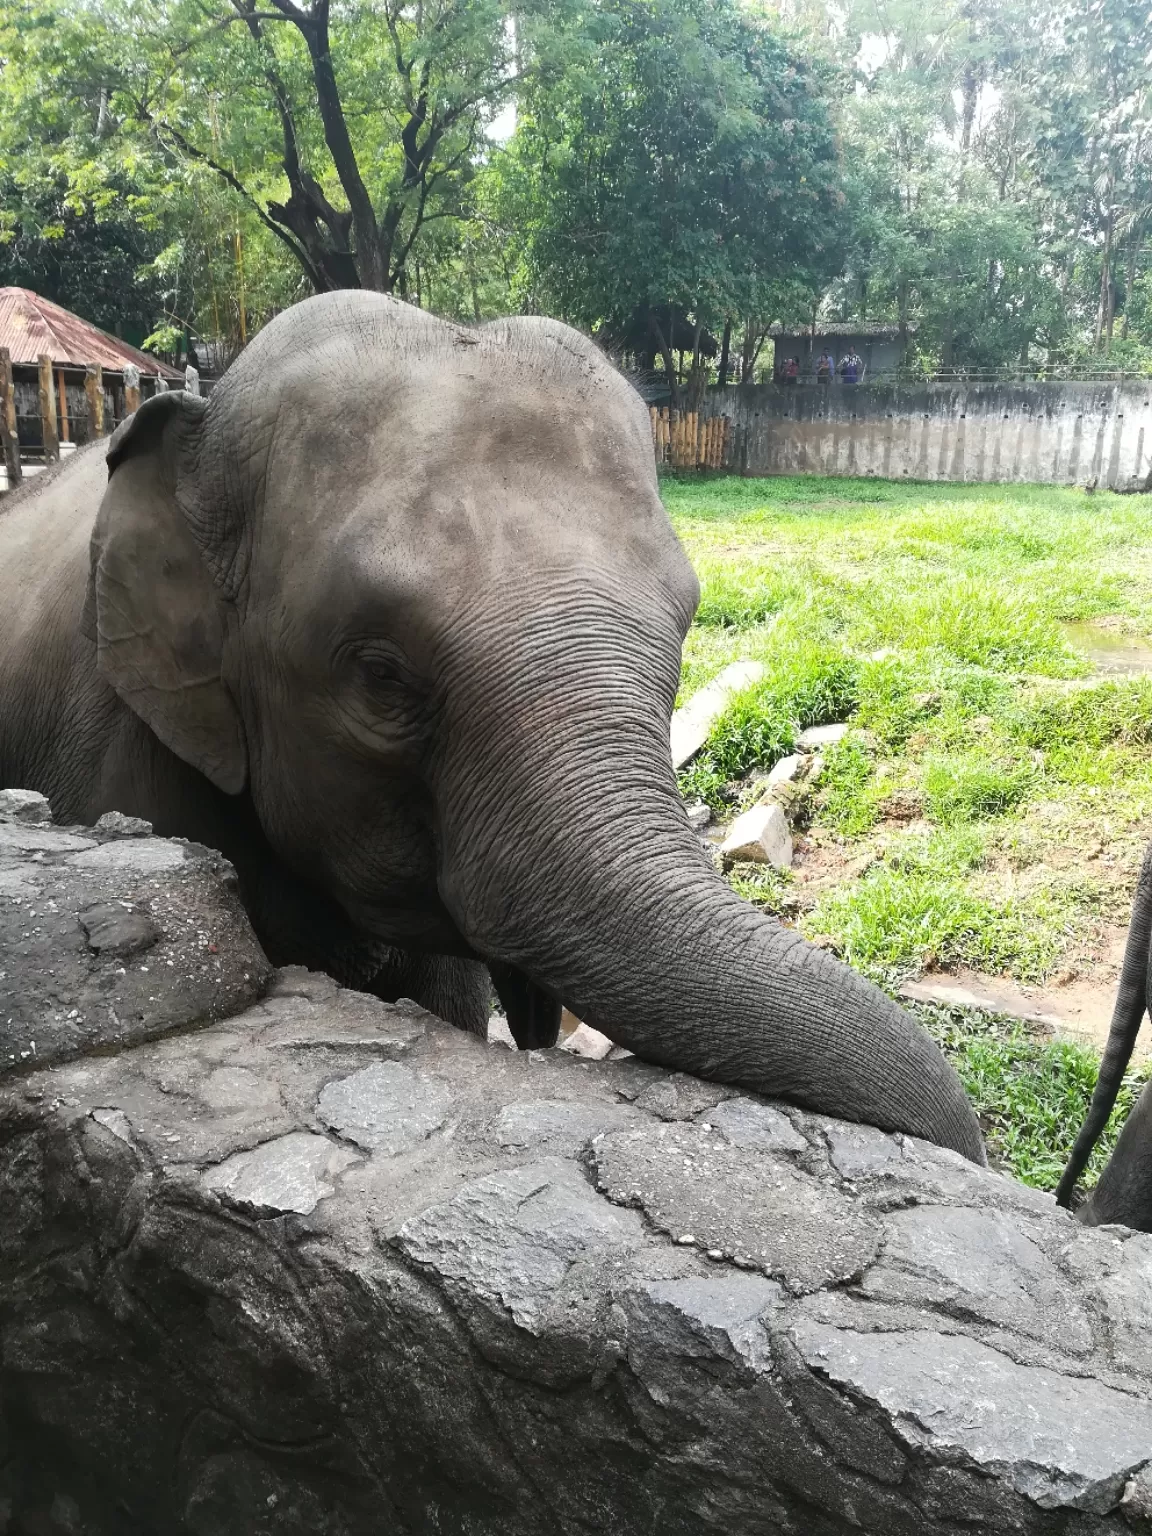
x=1076, y=1008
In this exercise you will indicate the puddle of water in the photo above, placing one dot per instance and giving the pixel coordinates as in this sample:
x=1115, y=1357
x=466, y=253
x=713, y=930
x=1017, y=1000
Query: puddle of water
x=1107, y=650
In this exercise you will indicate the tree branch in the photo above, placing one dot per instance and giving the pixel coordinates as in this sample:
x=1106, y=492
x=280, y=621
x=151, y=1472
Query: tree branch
x=186, y=147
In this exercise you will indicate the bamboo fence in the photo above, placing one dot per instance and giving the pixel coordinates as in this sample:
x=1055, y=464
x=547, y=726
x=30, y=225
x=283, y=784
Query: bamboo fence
x=685, y=440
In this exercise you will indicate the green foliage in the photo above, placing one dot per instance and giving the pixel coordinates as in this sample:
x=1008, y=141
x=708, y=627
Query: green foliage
x=1096, y=716
x=981, y=762
x=972, y=622
x=974, y=787
x=803, y=687
x=735, y=597
x=1031, y=1093
x=979, y=174
x=764, y=886
x=917, y=911
x=685, y=156
x=850, y=797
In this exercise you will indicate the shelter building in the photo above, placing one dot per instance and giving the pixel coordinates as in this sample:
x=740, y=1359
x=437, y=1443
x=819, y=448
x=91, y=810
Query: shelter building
x=880, y=346
x=63, y=381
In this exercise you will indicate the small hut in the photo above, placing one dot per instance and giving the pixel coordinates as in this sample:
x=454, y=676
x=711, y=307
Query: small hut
x=63, y=381
x=879, y=346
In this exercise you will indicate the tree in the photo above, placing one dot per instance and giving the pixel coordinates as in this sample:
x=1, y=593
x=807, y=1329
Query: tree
x=1093, y=151
x=345, y=134
x=684, y=164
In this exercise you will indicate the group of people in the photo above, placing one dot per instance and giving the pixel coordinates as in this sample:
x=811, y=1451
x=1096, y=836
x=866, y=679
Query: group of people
x=850, y=368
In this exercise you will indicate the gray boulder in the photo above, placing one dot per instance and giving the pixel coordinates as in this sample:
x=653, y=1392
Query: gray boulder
x=109, y=935
x=329, y=1266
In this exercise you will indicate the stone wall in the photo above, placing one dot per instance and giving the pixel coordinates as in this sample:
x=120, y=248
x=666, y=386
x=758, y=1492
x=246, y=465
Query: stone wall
x=1051, y=433
x=328, y=1267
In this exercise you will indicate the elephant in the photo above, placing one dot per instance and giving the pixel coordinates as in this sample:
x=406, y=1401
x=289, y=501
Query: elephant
x=1124, y=1192
x=393, y=619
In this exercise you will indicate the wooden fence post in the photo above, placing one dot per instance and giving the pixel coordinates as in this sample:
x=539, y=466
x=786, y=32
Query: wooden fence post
x=94, y=390
x=48, y=410
x=131, y=388
x=62, y=406
x=9, y=440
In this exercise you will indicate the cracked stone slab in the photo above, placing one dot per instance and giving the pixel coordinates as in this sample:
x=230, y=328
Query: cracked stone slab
x=739, y=1202
x=978, y=1263
x=1062, y=1442
x=109, y=937
x=748, y=1123
x=725, y=1315
x=291, y=1173
x=511, y=1238
x=384, y=1108
x=522, y=1295
x=560, y=1125
x=889, y=1169
x=1115, y=1275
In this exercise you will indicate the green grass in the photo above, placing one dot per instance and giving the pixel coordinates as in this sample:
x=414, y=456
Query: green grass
x=994, y=793
x=1031, y=1094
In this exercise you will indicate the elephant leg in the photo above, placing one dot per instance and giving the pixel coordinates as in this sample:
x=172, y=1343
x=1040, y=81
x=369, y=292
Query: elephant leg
x=1124, y=1193
x=298, y=925
x=533, y=1014
x=458, y=991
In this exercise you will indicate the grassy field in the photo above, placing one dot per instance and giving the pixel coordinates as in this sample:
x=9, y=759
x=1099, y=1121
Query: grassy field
x=988, y=811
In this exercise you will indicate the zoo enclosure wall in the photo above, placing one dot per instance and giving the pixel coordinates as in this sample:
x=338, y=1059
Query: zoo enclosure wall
x=1065, y=433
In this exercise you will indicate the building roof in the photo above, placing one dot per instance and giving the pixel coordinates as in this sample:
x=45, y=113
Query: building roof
x=31, y=326
x=866, y=330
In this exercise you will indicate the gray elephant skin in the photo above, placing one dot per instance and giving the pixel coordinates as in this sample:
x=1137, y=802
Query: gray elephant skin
x=1124, y=1192
x=394, y=620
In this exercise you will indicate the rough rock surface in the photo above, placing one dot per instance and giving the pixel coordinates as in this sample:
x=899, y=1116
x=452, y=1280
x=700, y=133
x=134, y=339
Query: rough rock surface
x=110, y=935
x=760, y=836
x=332, y=1268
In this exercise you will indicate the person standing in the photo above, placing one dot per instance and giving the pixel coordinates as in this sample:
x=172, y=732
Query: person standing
x=824, y=368
x=851, y=368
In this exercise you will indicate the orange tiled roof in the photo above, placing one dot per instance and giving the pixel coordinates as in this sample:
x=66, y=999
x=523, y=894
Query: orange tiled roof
x=30, y=326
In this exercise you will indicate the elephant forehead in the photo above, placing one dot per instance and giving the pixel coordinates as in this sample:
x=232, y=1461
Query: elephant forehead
x=405, y=507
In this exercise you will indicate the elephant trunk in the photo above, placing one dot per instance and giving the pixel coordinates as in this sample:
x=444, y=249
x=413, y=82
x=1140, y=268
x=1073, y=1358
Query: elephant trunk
x=566, y=854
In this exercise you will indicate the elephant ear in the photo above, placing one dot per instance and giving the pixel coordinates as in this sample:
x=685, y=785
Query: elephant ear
x=159, y=617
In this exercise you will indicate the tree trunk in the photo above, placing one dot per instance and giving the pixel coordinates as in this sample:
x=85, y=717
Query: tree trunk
x=1105, y=287
x=1130, y=279
x=725, y=354
x=696, y=374
x=665, y=351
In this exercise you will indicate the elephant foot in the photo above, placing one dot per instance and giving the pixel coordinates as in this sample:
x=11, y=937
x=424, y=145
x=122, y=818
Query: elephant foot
x=533, y=1014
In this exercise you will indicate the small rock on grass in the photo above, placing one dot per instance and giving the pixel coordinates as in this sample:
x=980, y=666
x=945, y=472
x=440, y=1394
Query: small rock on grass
x=699, y=816
x=817, y=736
x=759, y=836
x=788, y=769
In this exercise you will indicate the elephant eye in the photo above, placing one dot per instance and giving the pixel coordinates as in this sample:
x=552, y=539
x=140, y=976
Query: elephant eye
x=381, y=669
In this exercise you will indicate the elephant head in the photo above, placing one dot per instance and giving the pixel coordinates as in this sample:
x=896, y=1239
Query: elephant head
x=411, y=588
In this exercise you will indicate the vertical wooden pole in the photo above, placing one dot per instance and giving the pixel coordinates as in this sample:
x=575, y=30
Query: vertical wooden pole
x=131, y=388
x=9, y=440
x=48, y=410
x=94, y=390
x=62, y=406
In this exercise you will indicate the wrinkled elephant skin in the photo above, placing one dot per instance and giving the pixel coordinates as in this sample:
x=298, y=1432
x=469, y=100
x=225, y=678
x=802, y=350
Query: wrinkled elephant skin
x=394, y=620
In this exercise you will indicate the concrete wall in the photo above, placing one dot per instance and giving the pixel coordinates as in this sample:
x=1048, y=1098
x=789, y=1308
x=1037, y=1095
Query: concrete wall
x=1051, y=433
